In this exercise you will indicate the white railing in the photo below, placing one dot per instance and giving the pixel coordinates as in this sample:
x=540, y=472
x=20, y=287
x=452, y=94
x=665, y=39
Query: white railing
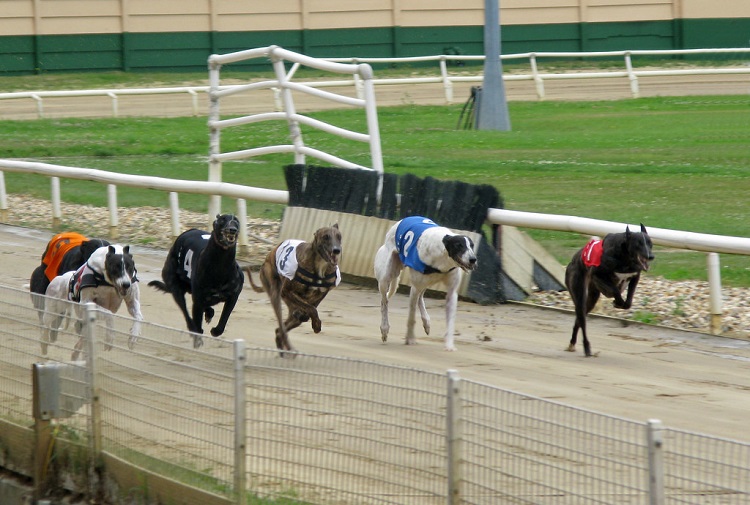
x=361, y=72
x=700, y=242
x=443, y=75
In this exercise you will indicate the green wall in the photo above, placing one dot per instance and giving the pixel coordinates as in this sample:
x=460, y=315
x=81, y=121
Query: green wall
x=189, y=51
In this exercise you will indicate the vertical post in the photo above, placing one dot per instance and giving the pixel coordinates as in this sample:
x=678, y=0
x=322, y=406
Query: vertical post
x=114, y=220
x=242, y=218
x=295, y=133
x=635, y=92
x=454, y=435
x=714, y=292
x=537, y=78
x=493, y=110
x=214, y=165
x=174, y=213
x=373, y=127
x=240, y=422
x=655, y=442
x=3, y=199
x=88, y=332
x=42, y=439
x=56, y=212
x=447, y=84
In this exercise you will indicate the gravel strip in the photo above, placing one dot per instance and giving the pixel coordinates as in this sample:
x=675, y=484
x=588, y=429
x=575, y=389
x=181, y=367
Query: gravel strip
x=677, y=304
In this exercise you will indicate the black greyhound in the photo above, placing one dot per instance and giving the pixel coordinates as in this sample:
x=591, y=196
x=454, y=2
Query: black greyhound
x=603, y=267
x=204, y=265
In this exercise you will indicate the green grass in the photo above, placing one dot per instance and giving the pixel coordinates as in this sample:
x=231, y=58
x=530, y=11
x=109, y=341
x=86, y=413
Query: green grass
x=681, y=163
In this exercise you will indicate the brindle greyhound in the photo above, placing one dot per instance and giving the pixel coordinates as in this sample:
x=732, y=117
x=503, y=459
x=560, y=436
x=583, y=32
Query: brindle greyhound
x=301, y=274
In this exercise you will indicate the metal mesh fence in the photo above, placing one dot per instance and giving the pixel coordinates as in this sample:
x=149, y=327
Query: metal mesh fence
x=329, y=430
x=705, y=469
x=344, y=431
x=523, y=449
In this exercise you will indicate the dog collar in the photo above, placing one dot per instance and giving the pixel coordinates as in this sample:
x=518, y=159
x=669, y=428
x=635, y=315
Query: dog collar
x=432, y=270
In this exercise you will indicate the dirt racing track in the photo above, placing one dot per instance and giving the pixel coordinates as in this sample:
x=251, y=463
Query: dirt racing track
x=687, y=380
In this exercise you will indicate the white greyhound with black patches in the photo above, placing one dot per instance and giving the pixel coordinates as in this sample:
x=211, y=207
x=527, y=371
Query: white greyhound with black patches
x=108, y=278
x=433, y=254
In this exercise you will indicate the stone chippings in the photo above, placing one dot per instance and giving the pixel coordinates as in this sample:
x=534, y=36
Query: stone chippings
x=677, y=304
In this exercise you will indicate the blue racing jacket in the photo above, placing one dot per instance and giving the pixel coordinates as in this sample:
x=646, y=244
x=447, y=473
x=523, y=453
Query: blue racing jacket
x=407, y=234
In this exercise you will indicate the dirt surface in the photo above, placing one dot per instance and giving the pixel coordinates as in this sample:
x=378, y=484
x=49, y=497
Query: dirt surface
x=688, y=380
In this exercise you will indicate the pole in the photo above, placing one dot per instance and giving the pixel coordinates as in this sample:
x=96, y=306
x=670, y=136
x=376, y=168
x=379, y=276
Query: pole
x=493, y=107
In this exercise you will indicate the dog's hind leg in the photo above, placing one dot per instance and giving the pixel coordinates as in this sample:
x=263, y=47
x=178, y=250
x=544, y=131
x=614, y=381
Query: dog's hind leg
x=592, y=296
x=415, y=294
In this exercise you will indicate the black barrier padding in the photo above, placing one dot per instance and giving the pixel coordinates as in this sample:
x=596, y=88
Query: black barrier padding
x=486, y=284
x=410, y=187
x=430, y=196
x=294, y=175
x=356, y=191
x=485, y=197
x=388, y=203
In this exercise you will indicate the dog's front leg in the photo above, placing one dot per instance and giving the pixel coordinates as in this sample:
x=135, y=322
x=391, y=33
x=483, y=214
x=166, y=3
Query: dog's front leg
x=632, y=284
x=225, y=312
x=451, y=303
x=133, y=303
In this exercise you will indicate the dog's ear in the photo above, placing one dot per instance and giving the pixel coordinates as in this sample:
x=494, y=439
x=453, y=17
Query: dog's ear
x=111, y=249
x=627, y=233
x=643, y=229
x=335, y=225
x=126, y=249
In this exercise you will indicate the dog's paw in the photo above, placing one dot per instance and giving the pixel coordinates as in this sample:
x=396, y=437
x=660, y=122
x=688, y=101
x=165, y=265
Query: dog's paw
x=571, y=348
x=410, y=341
x=317, y=325
x=215, y=332
x=450, y=348
x=209, y=314
x=197, y=341
x=621, y=304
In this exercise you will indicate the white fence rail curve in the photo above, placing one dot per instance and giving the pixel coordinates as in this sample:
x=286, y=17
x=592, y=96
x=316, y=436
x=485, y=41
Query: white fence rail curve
x=691, y=241
x=278, y=56
x=232, y=420
x=443, y=76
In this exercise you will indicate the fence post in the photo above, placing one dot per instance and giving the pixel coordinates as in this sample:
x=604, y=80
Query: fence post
x=114, y=221
x=655, y=442
x=634, y=90
x=240, y=422
x=453, y=418
x=88, y=332
x=56, y=212
x=3, y=199
x=242, y=218
x=714, y=292
x=174, y=213
x=537, y=78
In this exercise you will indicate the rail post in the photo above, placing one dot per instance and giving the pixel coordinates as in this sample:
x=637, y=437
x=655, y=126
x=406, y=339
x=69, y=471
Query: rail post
x=454, y=435
x=655, y=443
x=714, y=292
x=88, y=332
x=240, y=422
x=174, y=213
x=114, y=221
x=56, y=211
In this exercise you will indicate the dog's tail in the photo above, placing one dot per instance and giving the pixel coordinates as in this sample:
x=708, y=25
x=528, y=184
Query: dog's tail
x=159, y=285
x=256, y=288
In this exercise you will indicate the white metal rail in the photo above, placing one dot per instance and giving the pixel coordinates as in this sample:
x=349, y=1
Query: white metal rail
x=361, y=72
x=701, y=242
x=443, y=76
